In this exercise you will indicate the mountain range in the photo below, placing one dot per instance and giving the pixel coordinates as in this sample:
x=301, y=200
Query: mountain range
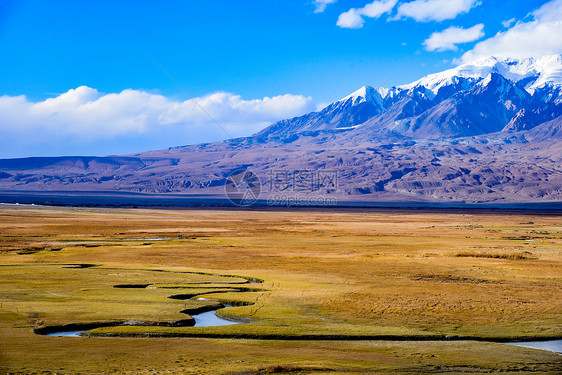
x=489, y=131
x=482, y=97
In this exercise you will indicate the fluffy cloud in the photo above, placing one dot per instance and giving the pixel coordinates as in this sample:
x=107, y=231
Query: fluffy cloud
x=84, y=115
x=538, y=37
x=353, y=18
x=435, y=10
x=321, y=5
x=448, y=39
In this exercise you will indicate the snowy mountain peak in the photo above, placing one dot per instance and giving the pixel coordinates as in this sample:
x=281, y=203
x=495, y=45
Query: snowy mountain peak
x=360, y=94
x=533, y=72
x=366, y=94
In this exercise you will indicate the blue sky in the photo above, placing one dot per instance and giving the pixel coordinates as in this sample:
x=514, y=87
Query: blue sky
x=249, y=63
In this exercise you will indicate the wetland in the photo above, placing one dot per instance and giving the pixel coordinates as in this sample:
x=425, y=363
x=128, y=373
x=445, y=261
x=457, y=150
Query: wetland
x=345, y=290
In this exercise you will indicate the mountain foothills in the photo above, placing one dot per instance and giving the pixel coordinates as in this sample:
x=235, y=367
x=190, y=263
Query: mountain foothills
x=486, y=131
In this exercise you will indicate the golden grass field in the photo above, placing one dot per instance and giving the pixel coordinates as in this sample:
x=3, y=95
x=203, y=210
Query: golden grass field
x=346, y=291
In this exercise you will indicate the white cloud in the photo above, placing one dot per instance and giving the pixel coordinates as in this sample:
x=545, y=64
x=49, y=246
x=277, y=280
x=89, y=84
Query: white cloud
x=353, y=18
x=448, y=39
x=549, y=12
x=86, y=115
x=535, y=38
x=435, y=10
x=508, y=23
x=321, y=5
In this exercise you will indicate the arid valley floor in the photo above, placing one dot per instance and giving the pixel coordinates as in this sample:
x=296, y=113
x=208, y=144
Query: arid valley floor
x=320, y=291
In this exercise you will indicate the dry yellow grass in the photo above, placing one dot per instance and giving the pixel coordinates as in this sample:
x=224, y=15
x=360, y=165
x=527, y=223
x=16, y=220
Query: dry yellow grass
x=512, y=256
x=339, y=272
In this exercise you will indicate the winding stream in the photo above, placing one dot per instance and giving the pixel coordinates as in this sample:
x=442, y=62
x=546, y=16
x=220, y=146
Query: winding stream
x=551, y=345
x=204, y=319
x=66, y=333
x=209, y=318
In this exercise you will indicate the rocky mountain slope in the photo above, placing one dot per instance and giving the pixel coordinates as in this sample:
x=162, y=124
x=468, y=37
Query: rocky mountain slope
x=488, y=131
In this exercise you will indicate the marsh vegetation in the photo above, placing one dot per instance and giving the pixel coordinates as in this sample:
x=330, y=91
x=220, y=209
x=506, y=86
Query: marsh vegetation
x=341, y=290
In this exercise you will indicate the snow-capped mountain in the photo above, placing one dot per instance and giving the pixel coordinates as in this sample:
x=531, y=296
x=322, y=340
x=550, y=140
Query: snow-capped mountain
x=488, y=131
x=531, y=72
x=485, y=96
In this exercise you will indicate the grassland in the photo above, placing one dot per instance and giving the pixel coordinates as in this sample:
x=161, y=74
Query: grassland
x=377, y=291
